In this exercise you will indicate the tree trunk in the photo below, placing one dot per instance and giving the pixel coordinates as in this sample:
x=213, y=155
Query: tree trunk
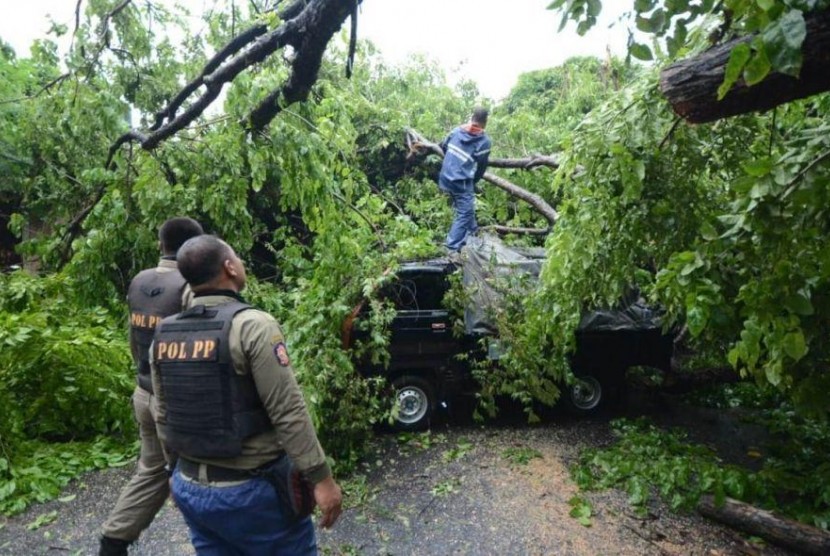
x=691, y=86
x=778, y=530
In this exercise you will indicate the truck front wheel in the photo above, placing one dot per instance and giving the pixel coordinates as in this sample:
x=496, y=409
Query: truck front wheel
x=584, y=395
x=414, y=403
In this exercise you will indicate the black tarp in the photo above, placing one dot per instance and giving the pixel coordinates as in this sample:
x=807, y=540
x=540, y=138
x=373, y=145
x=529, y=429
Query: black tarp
x=492, y=271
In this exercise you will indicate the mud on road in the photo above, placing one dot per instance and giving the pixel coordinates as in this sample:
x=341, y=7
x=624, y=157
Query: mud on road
x=501, y=489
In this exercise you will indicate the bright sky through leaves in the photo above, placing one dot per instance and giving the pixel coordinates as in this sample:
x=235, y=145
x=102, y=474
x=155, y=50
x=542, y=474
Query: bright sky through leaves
x=488, y=41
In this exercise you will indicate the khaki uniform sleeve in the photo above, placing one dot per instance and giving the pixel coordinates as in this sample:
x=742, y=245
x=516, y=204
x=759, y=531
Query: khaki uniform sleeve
x=187, y=297
x=264, y=347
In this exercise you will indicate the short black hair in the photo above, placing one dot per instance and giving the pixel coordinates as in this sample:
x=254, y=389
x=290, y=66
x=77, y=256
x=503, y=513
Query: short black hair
x=175, y=231
x=480, y=115
x=200, y=259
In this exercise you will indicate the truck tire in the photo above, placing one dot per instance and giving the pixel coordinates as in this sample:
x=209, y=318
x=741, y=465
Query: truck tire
x=585, y=396
x=415, y=403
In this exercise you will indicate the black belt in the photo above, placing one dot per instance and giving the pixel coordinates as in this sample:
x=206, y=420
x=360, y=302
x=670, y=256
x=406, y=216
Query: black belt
x=214, y=473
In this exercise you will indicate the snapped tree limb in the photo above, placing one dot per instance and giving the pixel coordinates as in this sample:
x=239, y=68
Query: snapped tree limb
x=691, y=86
x=307, y=26
x=803, y=538
x=417, y=144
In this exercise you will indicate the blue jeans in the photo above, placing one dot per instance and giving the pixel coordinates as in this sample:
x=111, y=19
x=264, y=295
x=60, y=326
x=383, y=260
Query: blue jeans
x=240, y=520
x=464, y=208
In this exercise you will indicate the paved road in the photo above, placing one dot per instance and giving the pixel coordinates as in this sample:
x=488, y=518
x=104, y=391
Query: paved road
x=449, y=492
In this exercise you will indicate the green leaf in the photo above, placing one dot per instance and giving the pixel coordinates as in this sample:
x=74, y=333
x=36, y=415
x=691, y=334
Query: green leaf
x=794, y=345
x=641, y=52
x=799, y=304
x=757, y=68
x=765, y=5
x=696, y=317
x=758, y=167
x=737, y=61
x=793, y=28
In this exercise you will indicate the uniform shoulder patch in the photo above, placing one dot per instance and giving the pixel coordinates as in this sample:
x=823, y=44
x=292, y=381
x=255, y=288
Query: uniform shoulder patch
x=282, y=354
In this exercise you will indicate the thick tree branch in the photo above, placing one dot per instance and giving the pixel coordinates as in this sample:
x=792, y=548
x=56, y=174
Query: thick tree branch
x=535, y=161
x=317, y=24
x=803, y=538
x=417, y=144
x=308, y=26
x=239, y=42
x=691, y=86
x=532, y=199
x=502, y=230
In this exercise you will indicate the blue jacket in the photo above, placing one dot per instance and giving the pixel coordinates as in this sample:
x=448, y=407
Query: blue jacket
x=466, y=151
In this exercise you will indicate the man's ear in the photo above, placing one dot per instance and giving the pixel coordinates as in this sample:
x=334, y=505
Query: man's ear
x=229, y=268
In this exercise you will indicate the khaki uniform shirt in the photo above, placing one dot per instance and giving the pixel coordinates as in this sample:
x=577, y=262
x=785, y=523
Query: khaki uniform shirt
x=254, y=337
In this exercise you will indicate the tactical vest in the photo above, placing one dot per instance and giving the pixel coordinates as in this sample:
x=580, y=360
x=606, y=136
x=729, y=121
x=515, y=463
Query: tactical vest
x=153, y=295
x=207, y=408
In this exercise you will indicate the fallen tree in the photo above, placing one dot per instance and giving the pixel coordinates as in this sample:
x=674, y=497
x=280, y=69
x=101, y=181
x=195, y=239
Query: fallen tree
x=778, y=530
x=691, y=86
x=417, y=144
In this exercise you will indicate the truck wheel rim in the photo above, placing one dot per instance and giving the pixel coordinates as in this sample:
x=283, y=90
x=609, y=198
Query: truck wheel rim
x=586, y=393
x=412, y=404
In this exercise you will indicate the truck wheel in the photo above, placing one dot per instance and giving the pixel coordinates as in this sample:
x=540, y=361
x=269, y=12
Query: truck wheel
x=415, y=403
x=585, y=395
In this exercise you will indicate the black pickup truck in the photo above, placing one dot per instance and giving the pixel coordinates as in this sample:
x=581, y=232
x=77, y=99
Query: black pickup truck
x=425, y=368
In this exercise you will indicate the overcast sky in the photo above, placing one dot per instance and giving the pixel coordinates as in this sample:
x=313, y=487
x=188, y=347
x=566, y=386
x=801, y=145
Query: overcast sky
x=489, y=41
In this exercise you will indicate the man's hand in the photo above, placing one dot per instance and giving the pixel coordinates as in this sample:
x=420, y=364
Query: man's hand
x=329, y=498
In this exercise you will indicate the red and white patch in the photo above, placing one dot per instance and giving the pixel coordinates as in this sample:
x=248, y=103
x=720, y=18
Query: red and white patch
x=282, y=354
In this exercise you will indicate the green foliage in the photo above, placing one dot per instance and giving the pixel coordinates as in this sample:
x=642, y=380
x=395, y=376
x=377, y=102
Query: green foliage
x=445, y=488
x=680, y=472
x=581, y=510
x=740, y=394
x=520, y=455
x=58, y=360
x=37, y=471
x=458, y=452
x=42, y=519
x=778, y=26
x=794, y=479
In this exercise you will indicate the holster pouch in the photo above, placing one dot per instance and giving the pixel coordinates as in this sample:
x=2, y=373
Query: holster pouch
x=294, y=491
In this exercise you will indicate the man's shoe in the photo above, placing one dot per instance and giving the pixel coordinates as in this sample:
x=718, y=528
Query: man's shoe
x=113, y=547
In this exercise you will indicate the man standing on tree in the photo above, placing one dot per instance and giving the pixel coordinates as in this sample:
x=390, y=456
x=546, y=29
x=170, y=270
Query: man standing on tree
x=233, y=420
x=154, y=293
x=466, y=151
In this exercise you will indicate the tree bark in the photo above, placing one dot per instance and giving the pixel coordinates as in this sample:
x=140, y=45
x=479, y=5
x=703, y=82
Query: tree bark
x=503, y=230
x=691, y=85
x=535, y=161
x=778, y=530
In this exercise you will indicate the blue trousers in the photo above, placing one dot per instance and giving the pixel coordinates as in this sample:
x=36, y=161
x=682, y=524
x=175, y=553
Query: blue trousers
x=241, y=520
x=464, y=209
